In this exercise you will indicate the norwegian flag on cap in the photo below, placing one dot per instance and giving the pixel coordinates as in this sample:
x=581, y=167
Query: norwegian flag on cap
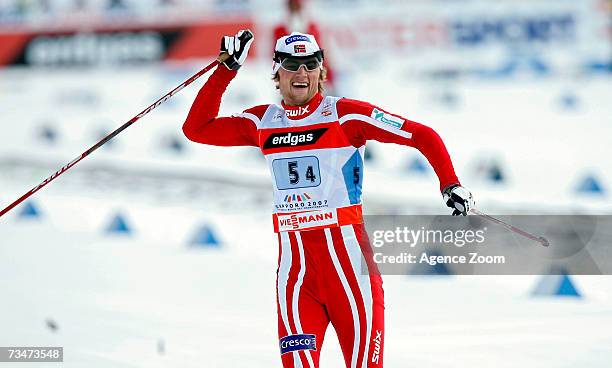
x=299, y=49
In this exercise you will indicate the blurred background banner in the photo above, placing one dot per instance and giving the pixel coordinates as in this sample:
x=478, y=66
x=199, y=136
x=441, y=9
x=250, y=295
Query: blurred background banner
x=155, y=251
x=115, y=44
x=472, y=36
x=475, y=36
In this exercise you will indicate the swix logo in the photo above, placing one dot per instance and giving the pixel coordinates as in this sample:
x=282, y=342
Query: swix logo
x=158, y=102
x=294, y=113
x=293, y=139
x=57, y=173
x=306, y=220
x=377, y=344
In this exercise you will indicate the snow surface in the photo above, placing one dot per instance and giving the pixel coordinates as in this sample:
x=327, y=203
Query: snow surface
x=115, y=299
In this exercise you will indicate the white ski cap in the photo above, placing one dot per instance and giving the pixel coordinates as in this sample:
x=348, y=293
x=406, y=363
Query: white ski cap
x=295, y=45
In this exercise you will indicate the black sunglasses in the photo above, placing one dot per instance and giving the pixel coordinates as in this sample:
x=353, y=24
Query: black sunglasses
x=293, y=64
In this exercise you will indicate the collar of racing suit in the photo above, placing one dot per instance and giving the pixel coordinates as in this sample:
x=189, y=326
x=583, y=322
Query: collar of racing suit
x=302, y=111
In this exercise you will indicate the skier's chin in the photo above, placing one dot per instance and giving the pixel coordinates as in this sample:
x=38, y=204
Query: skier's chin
x=299, y=96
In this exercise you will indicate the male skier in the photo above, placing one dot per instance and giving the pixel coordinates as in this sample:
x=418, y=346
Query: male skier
x=314, y=147
x=297, y=20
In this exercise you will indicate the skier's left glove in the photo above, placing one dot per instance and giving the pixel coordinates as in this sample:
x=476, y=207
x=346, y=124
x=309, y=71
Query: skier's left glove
x=237, y=47
x=459, y=199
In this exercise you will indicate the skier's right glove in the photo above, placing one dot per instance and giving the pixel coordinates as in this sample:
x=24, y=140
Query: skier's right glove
x=237, y=47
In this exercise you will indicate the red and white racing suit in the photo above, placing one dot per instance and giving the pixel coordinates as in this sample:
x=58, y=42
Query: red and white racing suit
x=315, y=155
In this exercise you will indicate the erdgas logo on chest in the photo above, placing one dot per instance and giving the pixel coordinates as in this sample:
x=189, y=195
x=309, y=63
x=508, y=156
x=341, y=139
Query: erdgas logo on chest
x=292, y=139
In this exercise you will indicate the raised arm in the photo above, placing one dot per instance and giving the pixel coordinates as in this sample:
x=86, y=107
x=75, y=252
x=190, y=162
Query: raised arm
x=202, y=124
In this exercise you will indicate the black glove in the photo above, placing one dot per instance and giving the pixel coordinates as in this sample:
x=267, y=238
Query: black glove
x=237, y=47
x=458, y=198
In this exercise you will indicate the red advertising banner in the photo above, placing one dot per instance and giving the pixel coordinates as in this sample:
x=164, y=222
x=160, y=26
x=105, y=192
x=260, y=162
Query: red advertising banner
x=116, y=45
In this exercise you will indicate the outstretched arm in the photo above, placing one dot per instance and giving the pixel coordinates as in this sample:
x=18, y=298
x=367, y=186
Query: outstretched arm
x=363, y=121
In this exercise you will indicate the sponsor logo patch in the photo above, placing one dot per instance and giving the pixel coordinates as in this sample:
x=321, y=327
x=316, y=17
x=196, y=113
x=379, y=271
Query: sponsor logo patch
x=294, y=113
x=294, y=139
x=297, y=342
x=292, y=39
x=389, y=119
x=306, y=220
x=278, y=116
x=377, y=342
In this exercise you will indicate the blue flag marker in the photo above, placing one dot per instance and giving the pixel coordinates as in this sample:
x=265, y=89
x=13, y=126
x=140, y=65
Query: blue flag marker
x=205, y=236
x=418, y=166
x=118, y=225
x=176, y=145
x=29, y=210
x=556, y=285
x=496, y=174
x=590, y=184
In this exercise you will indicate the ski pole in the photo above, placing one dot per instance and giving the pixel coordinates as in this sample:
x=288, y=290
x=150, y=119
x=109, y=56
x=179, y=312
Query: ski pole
x=540, y=239
x=155, y=104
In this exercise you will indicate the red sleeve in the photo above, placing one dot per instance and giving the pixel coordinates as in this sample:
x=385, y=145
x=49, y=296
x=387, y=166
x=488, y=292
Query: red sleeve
x=202, y=124
x=362, y=121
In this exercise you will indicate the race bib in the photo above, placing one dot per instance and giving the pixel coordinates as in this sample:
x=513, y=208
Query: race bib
x=296, y=172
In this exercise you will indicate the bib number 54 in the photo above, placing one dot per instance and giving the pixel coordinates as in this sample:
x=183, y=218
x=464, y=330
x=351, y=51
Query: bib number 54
x=296, y=172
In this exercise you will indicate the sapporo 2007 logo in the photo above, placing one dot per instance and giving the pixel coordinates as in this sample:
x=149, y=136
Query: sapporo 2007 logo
x=299, y=201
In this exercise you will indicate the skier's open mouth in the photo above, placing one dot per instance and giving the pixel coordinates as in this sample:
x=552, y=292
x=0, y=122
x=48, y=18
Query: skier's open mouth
x=299, y=85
